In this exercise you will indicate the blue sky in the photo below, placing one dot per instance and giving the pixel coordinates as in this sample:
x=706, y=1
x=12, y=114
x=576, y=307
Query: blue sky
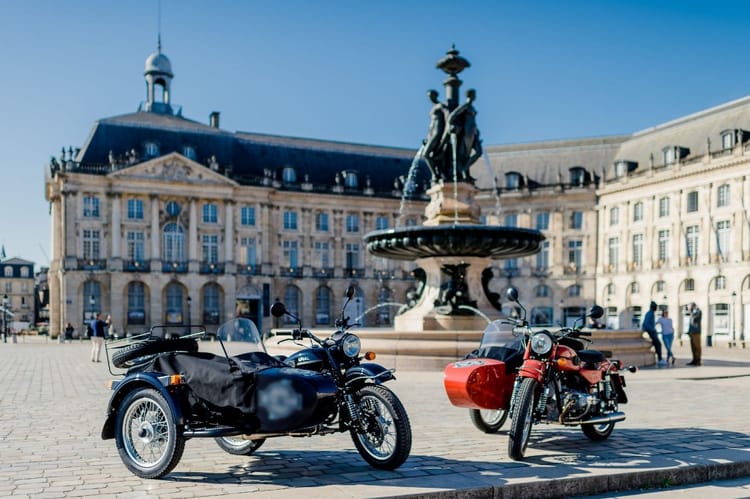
x=352, y=71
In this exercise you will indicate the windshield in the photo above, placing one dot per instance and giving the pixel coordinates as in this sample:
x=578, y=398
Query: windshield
x=242, y=329
x=498, y=334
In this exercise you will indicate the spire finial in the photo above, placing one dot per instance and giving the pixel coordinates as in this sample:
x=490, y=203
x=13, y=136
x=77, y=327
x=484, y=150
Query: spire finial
x=158, y=26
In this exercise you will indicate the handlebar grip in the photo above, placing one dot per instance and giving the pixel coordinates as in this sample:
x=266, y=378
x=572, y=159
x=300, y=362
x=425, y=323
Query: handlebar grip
x=584, y=333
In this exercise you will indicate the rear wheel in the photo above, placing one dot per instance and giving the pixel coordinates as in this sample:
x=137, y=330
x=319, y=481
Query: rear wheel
x=383, y=435
x=488, y=420
x=238, y=445
x=523, y=418
x=146, y=435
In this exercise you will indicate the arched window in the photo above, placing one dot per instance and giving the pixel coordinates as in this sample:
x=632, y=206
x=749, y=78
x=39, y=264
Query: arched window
x=635, y=288
x=323, y=305
x=289, y=175
x=350, y=180
x=292, y=300
x=542, y=291
x=173, y=309
x=720, y=282
x=610, y=289
x=384, y=312
x=91, y=299
x=211, y=304
x=174, y=243
x=688, y=284
x=574, y=290
x=136, y=303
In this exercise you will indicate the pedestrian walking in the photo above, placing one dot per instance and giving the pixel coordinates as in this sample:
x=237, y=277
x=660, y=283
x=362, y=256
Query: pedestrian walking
x=649, y=325
x=97, y=337
x=694, y=331
x=69, y=330
x=667, y=334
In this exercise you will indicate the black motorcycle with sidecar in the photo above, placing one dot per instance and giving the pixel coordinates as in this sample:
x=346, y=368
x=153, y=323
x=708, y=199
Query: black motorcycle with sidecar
x=171, y=392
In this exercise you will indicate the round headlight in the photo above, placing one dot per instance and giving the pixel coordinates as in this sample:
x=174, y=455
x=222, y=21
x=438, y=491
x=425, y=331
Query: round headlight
x=541, y=343
x=351, y=345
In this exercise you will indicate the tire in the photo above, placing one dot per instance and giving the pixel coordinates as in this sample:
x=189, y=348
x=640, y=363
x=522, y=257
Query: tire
x=383, y=438
x=138, y=353
x=523, y=419
x=598, y=432
x=146, y=436
x=239, y=446
x=488, y=420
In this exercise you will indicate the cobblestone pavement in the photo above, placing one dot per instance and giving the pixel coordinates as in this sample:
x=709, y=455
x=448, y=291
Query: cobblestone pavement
x=683, y=424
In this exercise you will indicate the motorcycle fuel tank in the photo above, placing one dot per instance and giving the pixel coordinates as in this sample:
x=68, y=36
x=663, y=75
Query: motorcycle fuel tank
x=289, y=398
x=478, y=383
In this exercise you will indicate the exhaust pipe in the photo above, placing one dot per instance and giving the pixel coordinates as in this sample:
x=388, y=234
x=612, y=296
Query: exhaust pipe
x=610, y=418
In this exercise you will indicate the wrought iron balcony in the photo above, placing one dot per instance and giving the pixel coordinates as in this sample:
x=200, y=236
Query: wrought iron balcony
x=249, y=269
x=384, y=274
x=323, y=272
x=92, y=264
x=176, y=267
x=290, y=271
x=136, y=266
x=358, y=273
x=211, y=268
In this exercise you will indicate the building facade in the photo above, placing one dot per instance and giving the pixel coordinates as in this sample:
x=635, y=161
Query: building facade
x=162, y=219
x=17, y=297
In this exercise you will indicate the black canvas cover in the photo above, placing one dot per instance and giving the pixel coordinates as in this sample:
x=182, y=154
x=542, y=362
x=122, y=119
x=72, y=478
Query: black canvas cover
x=224, y=386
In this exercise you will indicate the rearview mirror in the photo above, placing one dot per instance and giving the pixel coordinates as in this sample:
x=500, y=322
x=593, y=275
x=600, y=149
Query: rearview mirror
x=350, y=292
x=512, y=294
x=278, y=309
x=596, y=312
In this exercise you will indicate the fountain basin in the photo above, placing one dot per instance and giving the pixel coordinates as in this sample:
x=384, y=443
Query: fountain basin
x=454, y=240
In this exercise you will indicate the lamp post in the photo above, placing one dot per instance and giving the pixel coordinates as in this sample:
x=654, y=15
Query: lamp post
x=734, y=329
x=5, y=328
x=189, y=300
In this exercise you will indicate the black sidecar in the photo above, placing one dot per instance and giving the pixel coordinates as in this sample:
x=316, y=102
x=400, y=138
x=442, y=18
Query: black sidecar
x=171, y=392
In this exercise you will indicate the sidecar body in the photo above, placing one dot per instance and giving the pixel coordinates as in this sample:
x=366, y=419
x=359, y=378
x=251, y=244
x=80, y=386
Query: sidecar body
x=213, y=395
x=484, y=378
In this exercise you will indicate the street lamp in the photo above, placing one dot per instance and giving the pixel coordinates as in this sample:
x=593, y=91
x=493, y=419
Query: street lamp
x=734, y=329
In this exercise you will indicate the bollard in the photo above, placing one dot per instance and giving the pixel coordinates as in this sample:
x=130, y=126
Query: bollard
x=709, y=340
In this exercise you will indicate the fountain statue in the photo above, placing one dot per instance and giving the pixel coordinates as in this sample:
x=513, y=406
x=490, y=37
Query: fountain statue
x=452, y=248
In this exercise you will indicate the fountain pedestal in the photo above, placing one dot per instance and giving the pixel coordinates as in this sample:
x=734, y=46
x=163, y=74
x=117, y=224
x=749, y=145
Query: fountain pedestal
x=452, y=203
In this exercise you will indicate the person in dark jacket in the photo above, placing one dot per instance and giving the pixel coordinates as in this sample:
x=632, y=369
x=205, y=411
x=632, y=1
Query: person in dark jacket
x=694, y=331
x=649, y=325
x=99, y=328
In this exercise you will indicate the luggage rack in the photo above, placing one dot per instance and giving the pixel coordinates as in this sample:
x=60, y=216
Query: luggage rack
x=155, y=333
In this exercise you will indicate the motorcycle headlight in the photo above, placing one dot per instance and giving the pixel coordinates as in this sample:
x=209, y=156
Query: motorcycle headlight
x=351, y=345
x=541, y=343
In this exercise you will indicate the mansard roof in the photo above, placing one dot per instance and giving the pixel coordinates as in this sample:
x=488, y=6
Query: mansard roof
x=247, y=157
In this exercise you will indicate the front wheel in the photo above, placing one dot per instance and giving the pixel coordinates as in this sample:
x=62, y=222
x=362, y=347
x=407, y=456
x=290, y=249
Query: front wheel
x=238, y=445
x=383, y=435
x=598, y=432
x=488, y=420
x=146, y=435
x=523, y=418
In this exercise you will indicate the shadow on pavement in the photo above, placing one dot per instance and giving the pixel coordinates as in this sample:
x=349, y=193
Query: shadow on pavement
x=551, y=455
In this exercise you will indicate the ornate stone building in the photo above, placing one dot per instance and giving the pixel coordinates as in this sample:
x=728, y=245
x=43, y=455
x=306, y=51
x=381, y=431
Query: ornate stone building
x=16, y=294
x=161, y=219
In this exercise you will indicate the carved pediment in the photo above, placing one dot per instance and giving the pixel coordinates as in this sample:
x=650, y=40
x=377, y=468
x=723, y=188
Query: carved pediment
x=173, y=168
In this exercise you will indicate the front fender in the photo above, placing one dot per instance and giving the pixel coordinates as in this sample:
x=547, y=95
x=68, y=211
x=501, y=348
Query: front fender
x=363, y=373
x=532, y=368
x=133, y=382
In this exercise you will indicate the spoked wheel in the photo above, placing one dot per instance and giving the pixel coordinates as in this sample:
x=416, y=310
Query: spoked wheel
x=238, y=445
x=488, y=420
x=523, y=418
x=598, y=432
x=383, y=437
x=146, y=436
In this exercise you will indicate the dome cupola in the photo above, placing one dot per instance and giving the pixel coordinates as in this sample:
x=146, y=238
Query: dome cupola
x=158, y=73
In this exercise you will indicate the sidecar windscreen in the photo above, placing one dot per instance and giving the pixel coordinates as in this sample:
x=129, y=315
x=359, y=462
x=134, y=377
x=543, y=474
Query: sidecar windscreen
x=242, y=329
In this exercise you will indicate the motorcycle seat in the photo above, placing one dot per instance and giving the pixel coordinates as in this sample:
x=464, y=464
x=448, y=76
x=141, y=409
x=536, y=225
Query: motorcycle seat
x=590, y=356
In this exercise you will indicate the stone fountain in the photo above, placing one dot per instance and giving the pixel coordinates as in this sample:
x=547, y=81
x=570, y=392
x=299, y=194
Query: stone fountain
x=452, y=248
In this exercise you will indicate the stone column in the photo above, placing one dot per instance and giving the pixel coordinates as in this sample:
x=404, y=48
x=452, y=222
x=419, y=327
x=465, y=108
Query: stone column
x=116, y=223
x=229, y=264
x=155, y=253
x=193, y=234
